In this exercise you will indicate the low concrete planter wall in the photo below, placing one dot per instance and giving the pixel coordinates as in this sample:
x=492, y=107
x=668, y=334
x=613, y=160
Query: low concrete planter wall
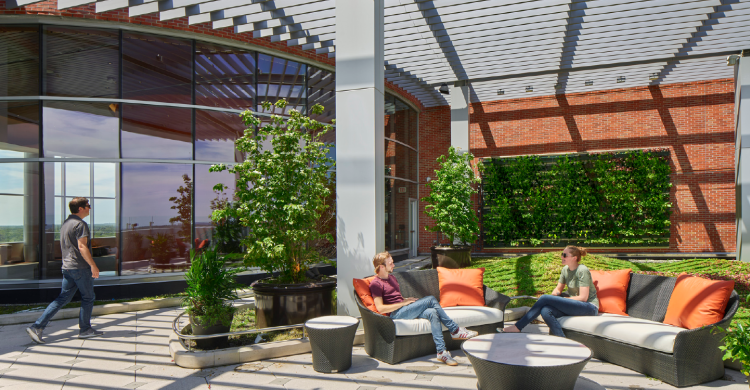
x=251, y=353
x=221, y=357
x=100, y=310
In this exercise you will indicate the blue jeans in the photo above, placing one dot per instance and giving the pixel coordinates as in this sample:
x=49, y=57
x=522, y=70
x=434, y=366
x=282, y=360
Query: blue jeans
x=73, y=279
x=428, y=308
x=552, y=307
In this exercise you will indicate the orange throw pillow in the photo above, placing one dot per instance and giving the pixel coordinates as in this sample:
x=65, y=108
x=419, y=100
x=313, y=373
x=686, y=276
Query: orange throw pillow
x=461, y=287
x=696, y=302
x=362, y=287
x=612, y=290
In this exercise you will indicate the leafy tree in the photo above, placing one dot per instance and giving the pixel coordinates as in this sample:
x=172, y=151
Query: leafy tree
x=449, y=203
x=184, y=205
x=281, y=191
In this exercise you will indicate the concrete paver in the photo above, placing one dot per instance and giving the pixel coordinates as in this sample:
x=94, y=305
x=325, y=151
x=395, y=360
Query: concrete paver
x=134, y=354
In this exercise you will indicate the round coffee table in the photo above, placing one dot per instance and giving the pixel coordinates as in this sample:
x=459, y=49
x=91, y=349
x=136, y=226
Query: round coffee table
x=525, y=361
x=331, y=341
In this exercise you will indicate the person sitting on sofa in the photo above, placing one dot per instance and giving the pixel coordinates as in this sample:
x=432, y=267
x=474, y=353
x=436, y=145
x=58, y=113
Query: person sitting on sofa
x=582, y=300
x=386, y=294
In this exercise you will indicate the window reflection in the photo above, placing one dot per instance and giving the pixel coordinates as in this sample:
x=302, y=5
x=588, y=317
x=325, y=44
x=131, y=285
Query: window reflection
x=69, y=50
x=322, y=90
x=215, y=133
x=225, y=235
x=19, y=221
x=19, y=61
x=81, y=129
x=156, y=217
x=156, y=132
x=281, y=79
x=400, y=161
x=156, y=68
x=19, y=129
x=224, y=76
x=400, y=121
x=399, y=221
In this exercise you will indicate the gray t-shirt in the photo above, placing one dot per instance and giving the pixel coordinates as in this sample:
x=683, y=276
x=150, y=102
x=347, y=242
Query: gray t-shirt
x=73, y=229
x=581, y=277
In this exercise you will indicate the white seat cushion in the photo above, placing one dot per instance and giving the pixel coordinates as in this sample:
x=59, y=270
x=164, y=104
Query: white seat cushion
x=462, y=315
x=642, y=333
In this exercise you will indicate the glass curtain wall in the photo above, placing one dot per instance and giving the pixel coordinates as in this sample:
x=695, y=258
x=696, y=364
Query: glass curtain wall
x=401, y=175
x=131, y=121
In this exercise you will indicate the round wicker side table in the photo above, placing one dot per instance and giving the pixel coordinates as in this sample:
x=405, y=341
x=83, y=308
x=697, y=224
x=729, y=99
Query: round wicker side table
x=331, y=341
x=504, y=361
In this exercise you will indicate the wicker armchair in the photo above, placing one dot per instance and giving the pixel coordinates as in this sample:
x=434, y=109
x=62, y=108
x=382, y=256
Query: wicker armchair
x=696, y=357
x=381, y=341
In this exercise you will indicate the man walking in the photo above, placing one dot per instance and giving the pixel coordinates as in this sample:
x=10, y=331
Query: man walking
x=386, y=294
x=78, y=271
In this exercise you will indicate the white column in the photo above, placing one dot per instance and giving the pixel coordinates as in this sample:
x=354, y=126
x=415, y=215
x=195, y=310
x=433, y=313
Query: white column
x=742, y=156
x=460, y=116
x=360, y=152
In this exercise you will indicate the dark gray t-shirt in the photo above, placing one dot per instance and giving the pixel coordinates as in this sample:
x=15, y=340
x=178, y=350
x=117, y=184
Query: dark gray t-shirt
x=73, y=229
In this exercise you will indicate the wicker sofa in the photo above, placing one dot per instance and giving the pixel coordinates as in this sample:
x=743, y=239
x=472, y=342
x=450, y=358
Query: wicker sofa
x=641, y=342
x=386, y=342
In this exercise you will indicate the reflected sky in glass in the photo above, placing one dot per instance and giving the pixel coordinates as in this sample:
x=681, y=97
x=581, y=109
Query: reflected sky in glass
x=80, y=130
x=146, y=192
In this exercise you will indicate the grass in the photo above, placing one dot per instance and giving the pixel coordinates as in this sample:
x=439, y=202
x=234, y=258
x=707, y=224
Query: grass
x=244, y=319
x=538, y=274
x=38, y=307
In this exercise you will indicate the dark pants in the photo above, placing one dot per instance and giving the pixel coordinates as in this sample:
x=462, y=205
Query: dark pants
x=552, y=307
x=73, y=279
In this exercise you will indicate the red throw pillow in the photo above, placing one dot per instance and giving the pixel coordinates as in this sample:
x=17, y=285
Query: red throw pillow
x=362, y=287
x=696, y=302
x=461, y=287
x=612, y=290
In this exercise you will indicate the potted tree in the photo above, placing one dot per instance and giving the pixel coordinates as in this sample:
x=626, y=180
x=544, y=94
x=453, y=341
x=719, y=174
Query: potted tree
x=450, y=206
x=210, y=289
x=281, y=194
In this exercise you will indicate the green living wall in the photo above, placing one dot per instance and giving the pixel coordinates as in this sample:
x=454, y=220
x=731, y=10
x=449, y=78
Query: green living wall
x=597, y=200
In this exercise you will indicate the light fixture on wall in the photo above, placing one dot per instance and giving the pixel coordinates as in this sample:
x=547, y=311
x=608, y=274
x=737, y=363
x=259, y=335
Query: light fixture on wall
x=500, y=92
x=529, y=88
x=653, y=76
x=733, y=59
x=588, y=83
x=558, y=86
x=621, y=79
x=444, y=89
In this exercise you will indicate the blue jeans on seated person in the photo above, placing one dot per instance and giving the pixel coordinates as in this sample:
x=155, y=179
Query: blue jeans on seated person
x=552, y=307
x=428, y=308
x=73, y=279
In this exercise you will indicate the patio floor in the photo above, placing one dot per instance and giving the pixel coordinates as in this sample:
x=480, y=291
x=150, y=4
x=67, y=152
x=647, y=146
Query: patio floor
x=134, y=354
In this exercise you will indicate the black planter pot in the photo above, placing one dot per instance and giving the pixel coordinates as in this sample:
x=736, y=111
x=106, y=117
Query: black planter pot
x=291, y=304
x=451, y=256
x=199, y=328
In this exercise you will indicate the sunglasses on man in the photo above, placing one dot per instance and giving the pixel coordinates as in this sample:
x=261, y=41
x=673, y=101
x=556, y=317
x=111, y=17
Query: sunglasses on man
x=565, y=255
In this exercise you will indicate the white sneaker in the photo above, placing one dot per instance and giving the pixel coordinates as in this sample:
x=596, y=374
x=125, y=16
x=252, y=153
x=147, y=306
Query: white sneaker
x=35, y=334
x=446, y=358
x=463, y=334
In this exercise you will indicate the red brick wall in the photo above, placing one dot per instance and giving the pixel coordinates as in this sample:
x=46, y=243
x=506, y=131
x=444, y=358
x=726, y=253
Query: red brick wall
x=693, y=120
x=121, y=15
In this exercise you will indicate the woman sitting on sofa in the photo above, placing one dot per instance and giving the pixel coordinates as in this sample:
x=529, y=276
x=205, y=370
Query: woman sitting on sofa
x=582, y=300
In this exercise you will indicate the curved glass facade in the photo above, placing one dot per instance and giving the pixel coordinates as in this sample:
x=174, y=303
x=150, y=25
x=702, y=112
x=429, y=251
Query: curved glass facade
x=133, y=121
